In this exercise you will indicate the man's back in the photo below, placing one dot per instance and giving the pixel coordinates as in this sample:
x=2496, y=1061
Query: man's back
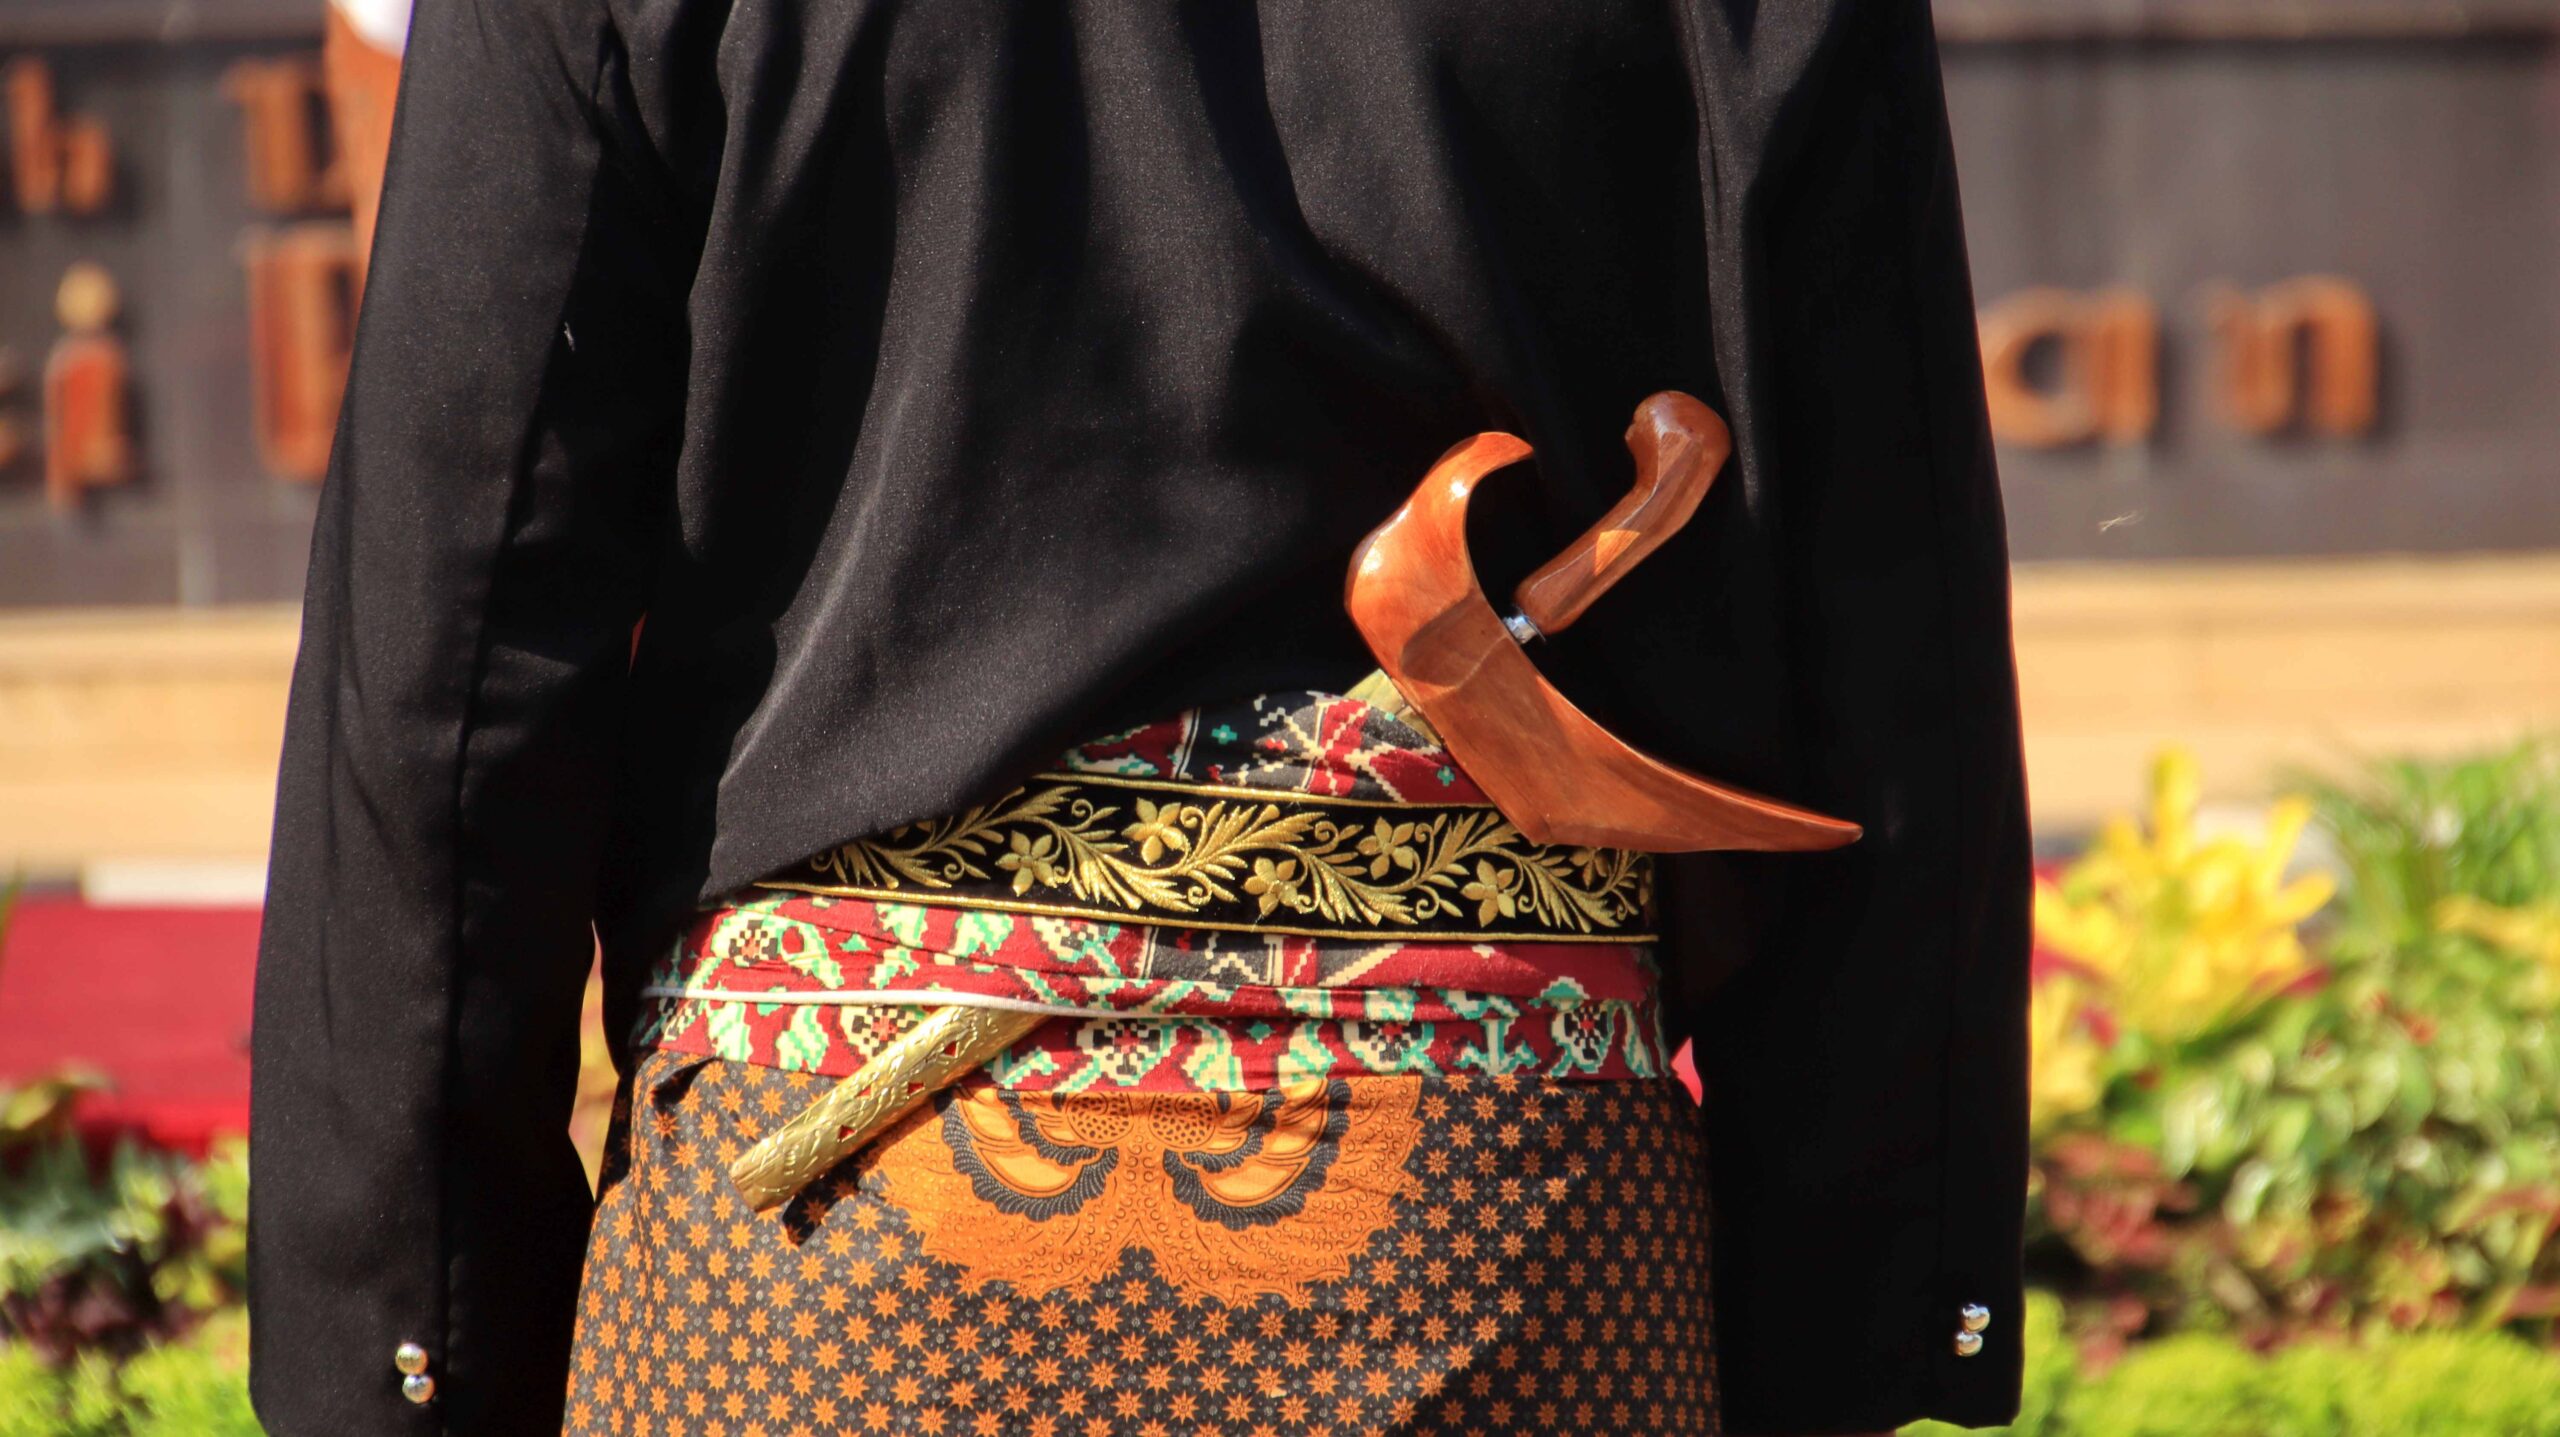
x=942, y=382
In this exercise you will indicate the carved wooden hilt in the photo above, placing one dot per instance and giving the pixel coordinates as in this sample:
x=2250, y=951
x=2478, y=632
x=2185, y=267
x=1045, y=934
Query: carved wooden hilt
x=1557, y=775
x=1679, y=446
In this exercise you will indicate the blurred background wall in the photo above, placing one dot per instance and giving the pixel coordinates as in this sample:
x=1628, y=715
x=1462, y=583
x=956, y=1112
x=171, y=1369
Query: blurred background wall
x=2272, y=334
x=2271, y=325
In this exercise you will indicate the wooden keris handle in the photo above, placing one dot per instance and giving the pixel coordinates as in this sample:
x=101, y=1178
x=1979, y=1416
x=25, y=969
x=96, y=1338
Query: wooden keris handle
x=1679, y=444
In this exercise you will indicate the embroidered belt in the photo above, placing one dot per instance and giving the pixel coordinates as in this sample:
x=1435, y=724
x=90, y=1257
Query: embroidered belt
x=1212, y=856
x=823, y=985
x=1292, y=817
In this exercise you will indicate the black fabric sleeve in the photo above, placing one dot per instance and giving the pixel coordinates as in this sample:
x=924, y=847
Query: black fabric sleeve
x=481, y=555
x=1859, y=1016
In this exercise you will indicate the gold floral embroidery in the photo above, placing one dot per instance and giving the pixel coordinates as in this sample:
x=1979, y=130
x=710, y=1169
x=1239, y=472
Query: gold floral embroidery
x=1280, y=862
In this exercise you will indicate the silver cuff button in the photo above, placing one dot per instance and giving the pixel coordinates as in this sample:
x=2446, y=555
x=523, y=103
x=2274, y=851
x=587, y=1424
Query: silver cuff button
x=1968, y=1343
x=415, y=1384
x=1975, y=1317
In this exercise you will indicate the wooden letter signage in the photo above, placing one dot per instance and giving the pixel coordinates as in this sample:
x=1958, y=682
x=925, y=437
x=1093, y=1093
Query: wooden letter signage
x=302, y=313
x=2319, y=325
x=2106, y=348
x=363, y=83
x=13, y=435
x=88, y=432
x=280, y=106
x=59, y=166
x=318, y=130
x=2303, y=352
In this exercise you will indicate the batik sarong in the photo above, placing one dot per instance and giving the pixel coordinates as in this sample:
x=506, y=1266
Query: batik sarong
x=1350, y=1113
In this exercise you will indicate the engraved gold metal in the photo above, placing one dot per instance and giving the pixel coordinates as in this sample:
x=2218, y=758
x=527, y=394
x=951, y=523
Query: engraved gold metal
x=949, y=1044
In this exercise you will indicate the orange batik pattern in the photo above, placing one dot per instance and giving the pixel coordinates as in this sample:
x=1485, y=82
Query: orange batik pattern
x=1234, y=1195
x=1361, y=1254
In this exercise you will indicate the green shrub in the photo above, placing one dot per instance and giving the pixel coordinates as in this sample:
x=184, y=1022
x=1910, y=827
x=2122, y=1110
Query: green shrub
x=120, y=1282
x=2197, y=1386
x=39, y=1399
x=2357, y=1134
x=111, y=1256
x=198, y=1388
x=30, y=1395
x=2449, y=1384
x=2412, y=834
x=2446, y=1385
x=193, y=1388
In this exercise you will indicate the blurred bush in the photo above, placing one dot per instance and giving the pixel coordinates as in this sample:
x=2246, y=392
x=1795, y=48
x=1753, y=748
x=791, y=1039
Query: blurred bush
x=196, y=1387
x=109, y=1255
x=2242, y=1130
x=121, y=1278
x=2449, y=1384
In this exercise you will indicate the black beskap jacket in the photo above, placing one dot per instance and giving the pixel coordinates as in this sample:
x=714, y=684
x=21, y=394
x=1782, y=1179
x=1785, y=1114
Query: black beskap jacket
x=947, y=380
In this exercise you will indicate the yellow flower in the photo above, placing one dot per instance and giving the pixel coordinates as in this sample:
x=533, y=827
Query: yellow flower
x=2064, y=1075
x=2184, y=933
x=2531, y=931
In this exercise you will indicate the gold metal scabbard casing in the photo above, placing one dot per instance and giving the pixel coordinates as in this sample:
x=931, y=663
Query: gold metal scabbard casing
x=949, y=1044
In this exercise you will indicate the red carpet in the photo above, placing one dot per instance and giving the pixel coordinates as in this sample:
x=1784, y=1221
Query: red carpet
x=155, y=998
